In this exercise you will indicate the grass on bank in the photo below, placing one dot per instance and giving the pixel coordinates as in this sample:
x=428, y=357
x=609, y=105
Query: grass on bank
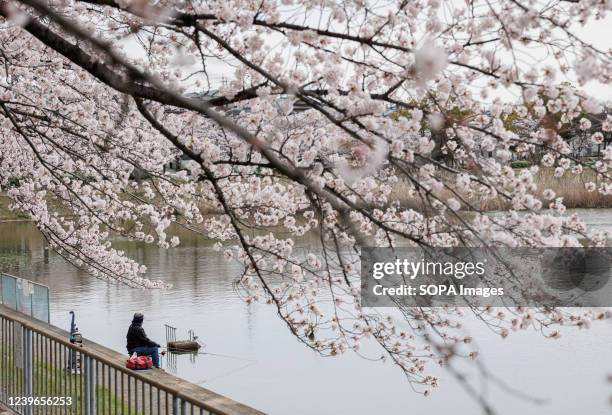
x=50, y=381
x=570, y=187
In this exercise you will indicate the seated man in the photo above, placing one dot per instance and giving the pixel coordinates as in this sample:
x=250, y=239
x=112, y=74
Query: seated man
x=139, y=343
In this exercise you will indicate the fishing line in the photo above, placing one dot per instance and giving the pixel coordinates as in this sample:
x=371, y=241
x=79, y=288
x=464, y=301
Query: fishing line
x=212, y=354
x=250, y=363
x=229, y=357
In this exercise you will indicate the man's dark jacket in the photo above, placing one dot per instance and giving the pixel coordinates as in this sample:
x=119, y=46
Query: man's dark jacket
x=136, y=336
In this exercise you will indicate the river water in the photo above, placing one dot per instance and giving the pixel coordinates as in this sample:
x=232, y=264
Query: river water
x=254, y=359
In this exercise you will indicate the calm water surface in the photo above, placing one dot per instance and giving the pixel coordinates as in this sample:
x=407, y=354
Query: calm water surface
x=255, y=360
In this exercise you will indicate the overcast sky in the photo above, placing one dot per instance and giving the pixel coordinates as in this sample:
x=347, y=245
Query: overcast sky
x=598, y=33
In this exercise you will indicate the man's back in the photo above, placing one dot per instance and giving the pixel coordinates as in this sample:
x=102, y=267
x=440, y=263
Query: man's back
x=139, y=343
x=136, y=336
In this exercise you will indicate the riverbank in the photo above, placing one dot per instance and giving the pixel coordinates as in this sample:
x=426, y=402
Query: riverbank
x=570, y=187
x=7, y=215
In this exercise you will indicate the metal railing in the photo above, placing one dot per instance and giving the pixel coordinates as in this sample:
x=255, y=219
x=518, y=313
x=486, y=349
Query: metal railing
x=42, y=372
x=25, y=296
x=170, y=333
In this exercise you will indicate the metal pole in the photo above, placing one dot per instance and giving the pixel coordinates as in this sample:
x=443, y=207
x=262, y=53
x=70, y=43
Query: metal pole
x=92, y=377
x=175, y=405
x=90, y=386
x=85, y=376
x=27, y=366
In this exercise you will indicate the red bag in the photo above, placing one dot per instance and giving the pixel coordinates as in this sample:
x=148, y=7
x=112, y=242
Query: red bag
x=139, y=363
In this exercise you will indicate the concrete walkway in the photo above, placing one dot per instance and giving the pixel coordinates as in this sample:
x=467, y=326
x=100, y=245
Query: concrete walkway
x=105, y=360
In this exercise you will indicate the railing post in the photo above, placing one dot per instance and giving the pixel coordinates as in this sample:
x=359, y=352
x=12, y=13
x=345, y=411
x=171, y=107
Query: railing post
x=27, y=366
x=175, y=405
x=90, y=386
x=85, y=375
